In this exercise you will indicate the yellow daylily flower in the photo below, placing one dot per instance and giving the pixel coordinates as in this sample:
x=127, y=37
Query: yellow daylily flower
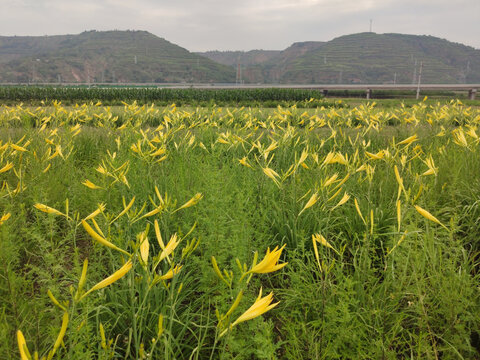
x=91, y=185
x=60, y=336
x=321, y=240
x=432, y=170
x=342, y=201
x=272, y=174
x=82, y=280
x=101, y=239
x=170, y=247
x=429, y=216
x=112, y=278
x=330, y=180
x=269, y=262
x=100, y=209
x=193, y=201
x=47, y=209
x=357, y=207
x=408, y=140
x=259, y=307
x=144, y=248
x=4, y=218
x=378, y=156
x=125, y=209
x=313, y=199
x=7, y=167
x=18, y=148
x=22, y=346
x=244, y=162
x=169, y=274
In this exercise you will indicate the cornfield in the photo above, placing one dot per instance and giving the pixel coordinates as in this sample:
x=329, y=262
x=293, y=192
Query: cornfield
x=148, y=95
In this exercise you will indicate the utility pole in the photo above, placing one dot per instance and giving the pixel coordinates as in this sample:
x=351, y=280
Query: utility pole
x=466, y=72
x=135, y=59
x=371, y=21
x=415, y=73
x=419, y=79
x=394, y=78
x=238, y=80
x=33, y=72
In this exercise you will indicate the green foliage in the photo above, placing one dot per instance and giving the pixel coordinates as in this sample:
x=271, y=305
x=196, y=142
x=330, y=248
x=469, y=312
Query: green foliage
x=113, y=57
x=380, y=287
x=117, y=95
x=367, y=58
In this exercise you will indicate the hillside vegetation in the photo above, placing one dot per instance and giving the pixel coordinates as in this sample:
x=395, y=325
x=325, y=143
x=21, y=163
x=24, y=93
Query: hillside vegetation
x=141, y=57
x=367, y=58
x=111, y=56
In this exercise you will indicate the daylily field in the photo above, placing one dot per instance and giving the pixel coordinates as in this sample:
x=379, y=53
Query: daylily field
x=148, y=232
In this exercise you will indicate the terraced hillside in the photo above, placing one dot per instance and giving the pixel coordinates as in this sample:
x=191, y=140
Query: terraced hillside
x=370, y=58
x=112, y=56
x=376, y=58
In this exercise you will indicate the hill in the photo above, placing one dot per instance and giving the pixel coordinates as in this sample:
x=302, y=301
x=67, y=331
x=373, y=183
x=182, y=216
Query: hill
x=368, y=58
x=111, y=56
x=139, y=57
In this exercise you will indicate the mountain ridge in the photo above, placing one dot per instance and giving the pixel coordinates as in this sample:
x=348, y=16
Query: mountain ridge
x=369, y=58
x=104, y=56
x=140, y=57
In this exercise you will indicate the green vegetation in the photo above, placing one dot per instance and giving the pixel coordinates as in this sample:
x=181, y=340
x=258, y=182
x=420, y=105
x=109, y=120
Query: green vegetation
x=119, y=57
x=365, y=58
x=111, y=95
x=104, y=57
x=360, y=222
x=266, y=98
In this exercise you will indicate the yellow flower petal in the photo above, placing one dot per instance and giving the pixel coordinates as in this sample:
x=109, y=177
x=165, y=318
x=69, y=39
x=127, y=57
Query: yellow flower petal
x=193, y=201
x=22, y=346
x=100, y=239
x=408, y=140
x=4, y=218
x=429, y=216
x=313, y=199
x=342, y=201
x=47, y=209
x=7, y=167
x=170, y=247
x=144, y=248
x=60, y=336
x=169, y=274
x=91, y=185
x=269, y=262
x=259, y=307
x=321, y=240
x=112, y=278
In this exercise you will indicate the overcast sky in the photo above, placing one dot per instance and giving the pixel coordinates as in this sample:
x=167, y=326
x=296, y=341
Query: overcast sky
x=201, y=25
